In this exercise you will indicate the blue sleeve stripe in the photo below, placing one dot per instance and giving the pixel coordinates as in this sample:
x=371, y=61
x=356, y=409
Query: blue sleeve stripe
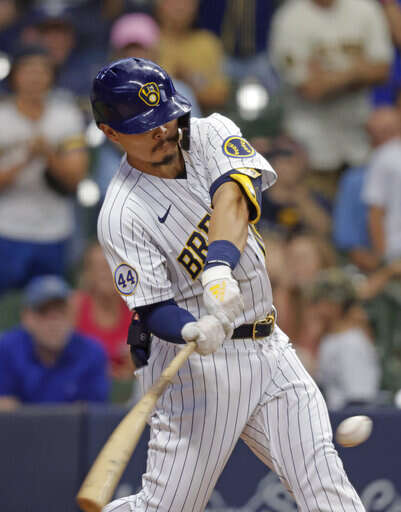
x=217, y=183
x=166, y=320
x=257, y=184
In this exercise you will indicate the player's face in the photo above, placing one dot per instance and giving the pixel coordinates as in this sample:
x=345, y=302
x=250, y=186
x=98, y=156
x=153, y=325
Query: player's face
x=157, y=147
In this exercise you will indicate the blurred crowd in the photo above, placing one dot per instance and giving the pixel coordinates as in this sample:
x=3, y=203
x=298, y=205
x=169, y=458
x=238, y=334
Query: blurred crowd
x=315, y=85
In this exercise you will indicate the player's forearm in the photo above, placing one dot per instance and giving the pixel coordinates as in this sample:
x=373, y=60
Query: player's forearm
x=230, y=217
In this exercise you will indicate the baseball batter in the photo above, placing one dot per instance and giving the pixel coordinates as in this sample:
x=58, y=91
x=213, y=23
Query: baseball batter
x=177, y=227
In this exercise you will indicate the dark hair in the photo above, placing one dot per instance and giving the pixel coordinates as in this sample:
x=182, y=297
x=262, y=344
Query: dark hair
x=23, y=51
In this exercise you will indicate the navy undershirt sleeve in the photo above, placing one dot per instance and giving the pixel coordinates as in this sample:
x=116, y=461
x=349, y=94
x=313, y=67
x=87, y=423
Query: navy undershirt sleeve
x=165, y=320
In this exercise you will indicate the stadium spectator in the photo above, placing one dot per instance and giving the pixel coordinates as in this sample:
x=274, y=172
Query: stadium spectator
x=192, y=55
x=348, y=368
x=53, y=27
x=44, y=360
x=100, y=312
x=351, y=236
x=382, y=187
x=290, y=206
x=294, y=264
x=43, y=158
x=328, y=63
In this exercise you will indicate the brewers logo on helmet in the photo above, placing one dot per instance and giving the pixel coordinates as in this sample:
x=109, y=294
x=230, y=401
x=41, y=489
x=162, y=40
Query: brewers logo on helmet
x=150, y=94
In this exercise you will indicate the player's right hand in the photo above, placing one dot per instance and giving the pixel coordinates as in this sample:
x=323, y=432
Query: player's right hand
x=221, y=296
x=207, y=332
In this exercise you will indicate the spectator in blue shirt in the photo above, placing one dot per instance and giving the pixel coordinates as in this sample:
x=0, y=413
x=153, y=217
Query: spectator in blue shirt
x=350, y=221
x=44, y=360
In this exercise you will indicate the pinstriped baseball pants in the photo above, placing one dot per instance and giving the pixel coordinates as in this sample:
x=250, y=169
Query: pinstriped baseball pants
x=256, y=390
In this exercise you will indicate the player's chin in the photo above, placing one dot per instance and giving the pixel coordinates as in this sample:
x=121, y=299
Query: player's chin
x=167, y=159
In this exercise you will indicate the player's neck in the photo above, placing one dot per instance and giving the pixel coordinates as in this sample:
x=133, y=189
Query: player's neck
x=169, y=170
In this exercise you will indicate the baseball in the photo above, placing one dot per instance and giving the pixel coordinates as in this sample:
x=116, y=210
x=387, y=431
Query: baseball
x=354, y=431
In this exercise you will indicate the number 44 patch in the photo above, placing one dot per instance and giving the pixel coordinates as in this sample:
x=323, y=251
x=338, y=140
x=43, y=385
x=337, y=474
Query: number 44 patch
x=125, y=279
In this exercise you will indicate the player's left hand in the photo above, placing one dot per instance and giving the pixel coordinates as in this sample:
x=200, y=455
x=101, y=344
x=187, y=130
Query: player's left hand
x=207, y=332
x=222, y=296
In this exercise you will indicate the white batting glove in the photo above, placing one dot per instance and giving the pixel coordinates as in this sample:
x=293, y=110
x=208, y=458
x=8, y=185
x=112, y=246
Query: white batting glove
x=207, y=332
x=221, y=296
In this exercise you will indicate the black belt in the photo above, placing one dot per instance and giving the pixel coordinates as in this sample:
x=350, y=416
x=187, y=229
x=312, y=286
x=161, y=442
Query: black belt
x=259, y=329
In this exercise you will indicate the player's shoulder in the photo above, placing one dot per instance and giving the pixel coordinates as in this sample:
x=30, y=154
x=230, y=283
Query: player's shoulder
x=124, y=181
x=123, y=202
x=214, y=125
x=219, y=120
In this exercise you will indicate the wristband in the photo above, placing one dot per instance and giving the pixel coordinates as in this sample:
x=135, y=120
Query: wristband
x=217, y=272
x=222, y=252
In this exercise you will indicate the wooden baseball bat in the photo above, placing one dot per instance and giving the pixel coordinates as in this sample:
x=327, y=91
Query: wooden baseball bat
x=105, y=473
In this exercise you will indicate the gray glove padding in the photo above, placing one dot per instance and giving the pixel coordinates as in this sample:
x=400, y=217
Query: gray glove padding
x=207, y=332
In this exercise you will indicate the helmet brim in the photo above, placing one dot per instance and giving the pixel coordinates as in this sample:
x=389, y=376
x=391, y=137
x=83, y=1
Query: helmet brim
x=171, y=109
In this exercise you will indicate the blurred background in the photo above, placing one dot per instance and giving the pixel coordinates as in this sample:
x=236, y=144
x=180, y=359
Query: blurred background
x=315, y=86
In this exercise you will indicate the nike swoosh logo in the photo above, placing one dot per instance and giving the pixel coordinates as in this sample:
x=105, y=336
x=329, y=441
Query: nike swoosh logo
x=163, y=219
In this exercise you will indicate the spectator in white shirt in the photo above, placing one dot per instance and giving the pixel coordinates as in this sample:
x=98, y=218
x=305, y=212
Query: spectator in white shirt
x=43, y=157
x=329, y=52
x=382, y=187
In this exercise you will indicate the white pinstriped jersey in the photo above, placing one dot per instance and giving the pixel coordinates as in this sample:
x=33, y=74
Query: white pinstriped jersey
x=154, y=230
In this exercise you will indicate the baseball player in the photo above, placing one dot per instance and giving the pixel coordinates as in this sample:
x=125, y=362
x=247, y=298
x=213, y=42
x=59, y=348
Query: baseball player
x=177, y=228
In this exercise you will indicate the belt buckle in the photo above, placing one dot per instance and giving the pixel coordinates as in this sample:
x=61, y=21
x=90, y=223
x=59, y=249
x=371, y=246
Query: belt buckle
x=270, y=318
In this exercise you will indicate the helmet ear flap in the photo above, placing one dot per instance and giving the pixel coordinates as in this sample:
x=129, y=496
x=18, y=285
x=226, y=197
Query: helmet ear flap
x=184, y=126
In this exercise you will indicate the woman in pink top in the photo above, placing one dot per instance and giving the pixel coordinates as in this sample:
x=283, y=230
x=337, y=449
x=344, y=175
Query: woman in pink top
x=101, y=313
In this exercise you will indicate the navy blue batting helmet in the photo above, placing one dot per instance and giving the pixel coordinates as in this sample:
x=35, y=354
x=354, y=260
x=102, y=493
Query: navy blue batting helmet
x=136, y=95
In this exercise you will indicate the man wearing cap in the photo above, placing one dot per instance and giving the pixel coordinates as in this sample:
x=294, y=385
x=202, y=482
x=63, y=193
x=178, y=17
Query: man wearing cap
x=44, y=360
